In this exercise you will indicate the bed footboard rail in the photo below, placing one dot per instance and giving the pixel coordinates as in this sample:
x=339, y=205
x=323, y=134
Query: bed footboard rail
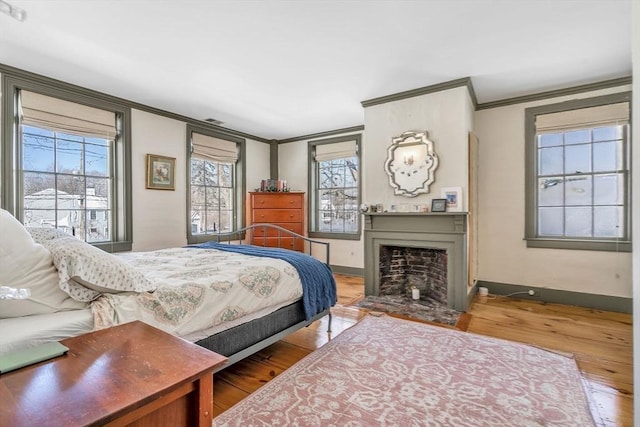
x=312, y=247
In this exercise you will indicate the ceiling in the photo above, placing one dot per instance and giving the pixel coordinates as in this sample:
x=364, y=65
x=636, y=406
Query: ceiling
x=280, y=69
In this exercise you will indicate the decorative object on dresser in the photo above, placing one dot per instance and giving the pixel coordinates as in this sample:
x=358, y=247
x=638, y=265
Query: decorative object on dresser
x=411, y=164
x=131, y=374
x=273, y=185
x=284, y=209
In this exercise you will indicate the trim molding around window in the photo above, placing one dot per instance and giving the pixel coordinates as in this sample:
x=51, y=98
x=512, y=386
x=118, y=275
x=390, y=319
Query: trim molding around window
x=11, y=187
x=533, y=237
x=239, y=184
x=314, y=211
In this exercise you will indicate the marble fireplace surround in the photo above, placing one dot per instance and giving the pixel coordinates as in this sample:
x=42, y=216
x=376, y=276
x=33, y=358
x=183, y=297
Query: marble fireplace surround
x=445, y=231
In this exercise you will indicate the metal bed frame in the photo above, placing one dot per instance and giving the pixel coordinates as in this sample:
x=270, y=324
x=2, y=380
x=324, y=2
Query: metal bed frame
x=240, y=236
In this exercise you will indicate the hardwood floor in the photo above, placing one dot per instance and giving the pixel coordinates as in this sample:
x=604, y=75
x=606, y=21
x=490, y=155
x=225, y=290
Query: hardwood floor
x=600, y=341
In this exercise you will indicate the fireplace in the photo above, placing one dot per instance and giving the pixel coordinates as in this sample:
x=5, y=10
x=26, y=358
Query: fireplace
x=405, y=269
x=442, y=237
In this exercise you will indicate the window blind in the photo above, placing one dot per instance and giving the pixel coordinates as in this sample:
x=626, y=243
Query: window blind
x=338, y=150
x=601, y=115
x=64, y=116
x=210, y=148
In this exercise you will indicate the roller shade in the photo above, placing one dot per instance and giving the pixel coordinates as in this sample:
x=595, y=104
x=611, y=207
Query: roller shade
x=601, y=115
x=338, y=150
x=64, y=116
x=210, y=148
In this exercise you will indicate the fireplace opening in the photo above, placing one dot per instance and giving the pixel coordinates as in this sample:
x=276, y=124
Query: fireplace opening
x=404, y=268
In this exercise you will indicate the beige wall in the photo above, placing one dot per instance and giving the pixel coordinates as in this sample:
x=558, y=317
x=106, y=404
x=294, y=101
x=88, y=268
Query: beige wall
x=446, y=115
x=159, y=216
x=503, y=255
x=293, y=166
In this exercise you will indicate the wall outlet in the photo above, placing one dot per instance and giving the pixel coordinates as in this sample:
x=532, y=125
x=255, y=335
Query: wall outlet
x=531, y=292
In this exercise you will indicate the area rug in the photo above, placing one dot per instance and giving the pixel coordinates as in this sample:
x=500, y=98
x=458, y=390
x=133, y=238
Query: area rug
x=404, y=306
x=386, y=371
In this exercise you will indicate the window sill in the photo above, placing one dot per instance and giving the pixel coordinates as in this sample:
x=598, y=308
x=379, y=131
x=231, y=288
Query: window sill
x=113, y=247
x=583, y=245
x=334, y=236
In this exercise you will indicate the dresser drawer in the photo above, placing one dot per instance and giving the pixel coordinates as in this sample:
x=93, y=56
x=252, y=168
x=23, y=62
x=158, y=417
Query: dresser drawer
x=275, y=201
x=276, y=215
x=296, y=227
x=283, y=242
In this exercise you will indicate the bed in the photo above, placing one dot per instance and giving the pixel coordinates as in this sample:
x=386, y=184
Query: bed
x=231, y=298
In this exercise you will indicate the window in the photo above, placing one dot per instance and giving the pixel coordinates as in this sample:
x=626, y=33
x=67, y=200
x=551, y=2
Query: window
x=216, y=202
x=334, y=192
x=578, y=174
x=72, y=162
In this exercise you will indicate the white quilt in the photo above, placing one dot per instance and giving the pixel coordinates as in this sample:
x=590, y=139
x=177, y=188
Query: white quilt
x=197, y=289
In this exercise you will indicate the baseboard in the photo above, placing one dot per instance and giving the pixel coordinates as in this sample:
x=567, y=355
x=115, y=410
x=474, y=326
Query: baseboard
x=472, y=293
x=598, y=302
x=349, y=271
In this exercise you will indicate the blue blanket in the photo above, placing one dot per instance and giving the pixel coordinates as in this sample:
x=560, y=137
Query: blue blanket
x=318, y=284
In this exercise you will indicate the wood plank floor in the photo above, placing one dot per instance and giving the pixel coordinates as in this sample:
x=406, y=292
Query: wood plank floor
x=600, y=341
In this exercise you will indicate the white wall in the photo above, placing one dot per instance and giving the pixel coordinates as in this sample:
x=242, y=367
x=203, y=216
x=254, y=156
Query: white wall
x=503, y=255
x=293, y=166
x=257, y=163
x=258, y=168
x=446, y=115
x=159, y=216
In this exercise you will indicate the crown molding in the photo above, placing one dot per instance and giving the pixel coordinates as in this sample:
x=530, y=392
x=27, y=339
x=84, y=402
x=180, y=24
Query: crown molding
x=351, y=129
x=605, y=84
x=452, y=84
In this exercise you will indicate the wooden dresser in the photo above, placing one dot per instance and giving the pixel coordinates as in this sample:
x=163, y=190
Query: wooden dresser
x=285, y=209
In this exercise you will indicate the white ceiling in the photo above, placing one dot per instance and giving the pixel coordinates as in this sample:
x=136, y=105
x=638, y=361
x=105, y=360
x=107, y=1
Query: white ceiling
x=279, y=69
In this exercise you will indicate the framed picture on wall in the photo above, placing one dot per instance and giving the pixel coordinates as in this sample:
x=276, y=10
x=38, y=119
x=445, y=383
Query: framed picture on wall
x=454, y=198
x=161, y=172
x=439, y=205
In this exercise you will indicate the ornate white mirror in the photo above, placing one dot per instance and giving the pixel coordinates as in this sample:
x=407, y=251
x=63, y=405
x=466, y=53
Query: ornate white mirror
x=411, y=164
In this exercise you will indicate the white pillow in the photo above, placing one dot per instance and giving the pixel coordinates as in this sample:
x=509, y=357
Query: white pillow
x=25, y=264
x=85, y=271
x=43, y=234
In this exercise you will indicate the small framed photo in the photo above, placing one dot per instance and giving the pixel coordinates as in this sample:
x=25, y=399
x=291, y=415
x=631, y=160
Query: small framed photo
x=454, y=198
x=161, y=172
x=439, y=205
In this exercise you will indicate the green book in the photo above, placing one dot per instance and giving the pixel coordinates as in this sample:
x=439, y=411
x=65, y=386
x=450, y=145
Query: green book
x=28, y=356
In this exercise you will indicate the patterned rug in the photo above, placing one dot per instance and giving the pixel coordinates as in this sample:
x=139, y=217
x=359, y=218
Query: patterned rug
x=404, y=306
x=386, y=371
